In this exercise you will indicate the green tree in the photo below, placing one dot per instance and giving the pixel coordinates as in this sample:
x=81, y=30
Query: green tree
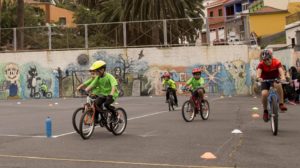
x=33, y=16
x=141, y=10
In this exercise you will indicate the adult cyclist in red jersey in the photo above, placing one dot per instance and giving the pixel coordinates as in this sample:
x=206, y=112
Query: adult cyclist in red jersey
x=270, y=68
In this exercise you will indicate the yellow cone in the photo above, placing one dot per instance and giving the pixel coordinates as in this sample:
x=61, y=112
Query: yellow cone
x=208, y=155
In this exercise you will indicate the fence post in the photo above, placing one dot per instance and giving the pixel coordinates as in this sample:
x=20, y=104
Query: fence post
x=86, y=36
x=49, y=38
x=165, y=32
x=124, y=34
x=207, y=31
x=15, y=39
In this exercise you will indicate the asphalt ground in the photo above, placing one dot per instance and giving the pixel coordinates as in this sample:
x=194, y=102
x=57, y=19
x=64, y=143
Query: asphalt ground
x=154, y=137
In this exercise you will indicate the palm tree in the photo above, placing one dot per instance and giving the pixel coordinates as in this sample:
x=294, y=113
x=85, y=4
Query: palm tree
x=141, y=10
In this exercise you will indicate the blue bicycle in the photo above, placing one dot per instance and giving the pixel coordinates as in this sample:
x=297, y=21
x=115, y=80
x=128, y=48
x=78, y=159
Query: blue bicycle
x=273, y=105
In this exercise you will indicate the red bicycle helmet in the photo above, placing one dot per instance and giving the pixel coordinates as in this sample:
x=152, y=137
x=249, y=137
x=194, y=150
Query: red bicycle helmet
x=196, y=70
x=266, y=54
x=167, y=74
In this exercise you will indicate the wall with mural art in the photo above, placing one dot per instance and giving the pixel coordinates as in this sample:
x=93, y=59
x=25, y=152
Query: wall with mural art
x=227, y=70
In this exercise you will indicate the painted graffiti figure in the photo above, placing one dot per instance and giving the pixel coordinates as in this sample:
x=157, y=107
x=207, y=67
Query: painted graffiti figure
x=12, y=75
x=270, y=68
x=32, y=80
x=170, y=86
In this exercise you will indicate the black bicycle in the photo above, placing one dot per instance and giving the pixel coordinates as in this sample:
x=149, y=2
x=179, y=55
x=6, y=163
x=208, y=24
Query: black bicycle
x=87, y=121
x=171, y=99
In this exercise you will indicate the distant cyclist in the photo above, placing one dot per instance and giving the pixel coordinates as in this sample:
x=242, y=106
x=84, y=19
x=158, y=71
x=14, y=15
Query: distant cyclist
x=170, y=85
x=196, y=83
x=270, y=68
x=104, y=84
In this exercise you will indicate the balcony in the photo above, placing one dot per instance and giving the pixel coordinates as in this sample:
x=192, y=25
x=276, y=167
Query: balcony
x=293, y=18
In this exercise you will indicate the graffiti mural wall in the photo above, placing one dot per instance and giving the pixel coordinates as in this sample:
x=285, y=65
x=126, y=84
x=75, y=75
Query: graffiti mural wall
x=25, y=80
x=227, y=70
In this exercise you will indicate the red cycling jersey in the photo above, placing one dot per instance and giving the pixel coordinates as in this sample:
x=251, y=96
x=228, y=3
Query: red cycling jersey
x=270, y=72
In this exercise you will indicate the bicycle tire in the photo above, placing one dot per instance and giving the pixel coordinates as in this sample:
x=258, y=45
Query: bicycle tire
x=204, y=115
x=188, y=108
x=84, y=132
x=49, y=95
x=37, y=95
x=274, y=115
x=117, y=128
x=74, y=116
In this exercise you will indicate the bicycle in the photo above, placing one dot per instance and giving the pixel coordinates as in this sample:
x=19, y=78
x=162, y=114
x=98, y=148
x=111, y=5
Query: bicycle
x=40, y=93
x=171, y=99
x=195, y=106
x=87, y=121
x=273, y=105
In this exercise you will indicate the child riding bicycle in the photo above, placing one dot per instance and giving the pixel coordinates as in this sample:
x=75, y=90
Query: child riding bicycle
x=196, y=83
x=170, y=86
x=104, y=84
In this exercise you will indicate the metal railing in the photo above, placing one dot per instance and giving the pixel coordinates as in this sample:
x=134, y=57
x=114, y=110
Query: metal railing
x=101, y=35
x=156, y=33
x=293, y=18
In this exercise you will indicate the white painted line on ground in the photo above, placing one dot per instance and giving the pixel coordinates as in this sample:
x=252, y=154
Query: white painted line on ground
x=69, y=133
x=142, y=164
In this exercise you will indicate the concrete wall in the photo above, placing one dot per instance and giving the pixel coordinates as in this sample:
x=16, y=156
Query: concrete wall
x=227, y=69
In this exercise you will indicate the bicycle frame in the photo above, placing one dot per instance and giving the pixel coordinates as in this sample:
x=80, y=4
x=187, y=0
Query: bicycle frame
x=272, y=93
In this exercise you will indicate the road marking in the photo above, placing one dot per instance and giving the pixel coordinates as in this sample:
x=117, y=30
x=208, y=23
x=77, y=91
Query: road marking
x=147, y=115
x=69, y=133
x=108, y=162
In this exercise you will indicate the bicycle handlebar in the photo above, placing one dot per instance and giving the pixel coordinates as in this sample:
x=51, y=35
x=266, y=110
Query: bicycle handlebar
x=275, y=80
x=83, y=92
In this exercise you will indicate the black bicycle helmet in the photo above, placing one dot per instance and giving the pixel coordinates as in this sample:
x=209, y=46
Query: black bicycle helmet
x=266, y=54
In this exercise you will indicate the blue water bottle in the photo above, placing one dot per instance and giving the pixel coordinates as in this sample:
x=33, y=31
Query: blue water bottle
x=48, y=127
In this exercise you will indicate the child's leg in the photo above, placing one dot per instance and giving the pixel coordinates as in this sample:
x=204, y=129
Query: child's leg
x=107, y=105
x=167, y=95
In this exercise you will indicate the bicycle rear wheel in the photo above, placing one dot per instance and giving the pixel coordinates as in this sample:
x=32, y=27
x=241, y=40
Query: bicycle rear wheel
x=76, y=118
x=119, y=127
x=87, y=124
x=274, y=115
x=205, y=110
x=188, y=112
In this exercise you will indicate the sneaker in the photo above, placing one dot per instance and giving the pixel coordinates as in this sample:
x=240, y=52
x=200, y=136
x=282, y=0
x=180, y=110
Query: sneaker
x=282, y=107
x=266, y=116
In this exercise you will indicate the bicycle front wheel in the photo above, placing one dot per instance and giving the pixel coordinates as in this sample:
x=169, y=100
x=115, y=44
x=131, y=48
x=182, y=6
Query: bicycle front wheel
x=119, y=127
x=87, y=124
x=274, y=115
x=76, y=118
x=171, y=102
x=205, y=110
x=188, y=112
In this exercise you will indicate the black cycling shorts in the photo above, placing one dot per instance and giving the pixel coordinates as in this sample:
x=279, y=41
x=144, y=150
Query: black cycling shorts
x=265, y=85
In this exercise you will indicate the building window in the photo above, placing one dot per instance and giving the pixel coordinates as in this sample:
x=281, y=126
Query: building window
x=245, y=6
x=62, y=21
x=211, y=14
x=220, y=12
